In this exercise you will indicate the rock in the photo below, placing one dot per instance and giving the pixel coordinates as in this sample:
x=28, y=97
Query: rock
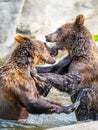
x=32, y=13
x=40, y=17
x=9, y=17
x=52, y=13
x=83, y=126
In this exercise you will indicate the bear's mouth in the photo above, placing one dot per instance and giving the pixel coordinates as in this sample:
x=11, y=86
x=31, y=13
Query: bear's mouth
x=54, y=48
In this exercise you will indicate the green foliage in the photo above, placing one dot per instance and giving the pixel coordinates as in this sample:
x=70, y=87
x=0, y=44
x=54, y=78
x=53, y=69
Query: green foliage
x=58, y=59
x=2, y=61
x=95, y=37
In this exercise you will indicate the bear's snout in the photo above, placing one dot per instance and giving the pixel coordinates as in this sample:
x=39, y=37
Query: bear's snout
x=48, y=39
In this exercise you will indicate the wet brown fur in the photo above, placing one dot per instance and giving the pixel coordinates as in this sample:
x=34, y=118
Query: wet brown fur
x=18, y=92
x=83, y=70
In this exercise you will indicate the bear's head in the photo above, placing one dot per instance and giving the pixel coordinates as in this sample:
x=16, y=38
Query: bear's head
x=33, y=51
x=73, y=36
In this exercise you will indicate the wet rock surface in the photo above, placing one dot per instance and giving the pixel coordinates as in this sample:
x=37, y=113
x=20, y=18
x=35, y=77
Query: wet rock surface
x=83, y=126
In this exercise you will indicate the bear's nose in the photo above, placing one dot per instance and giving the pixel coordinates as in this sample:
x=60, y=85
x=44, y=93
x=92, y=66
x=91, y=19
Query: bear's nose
x=48, y=38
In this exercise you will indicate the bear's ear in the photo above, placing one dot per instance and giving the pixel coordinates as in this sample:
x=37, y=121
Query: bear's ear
x=21, y=39
x=80, y=20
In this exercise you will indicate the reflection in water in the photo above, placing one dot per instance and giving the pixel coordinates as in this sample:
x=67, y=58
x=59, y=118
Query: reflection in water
x=40, y=122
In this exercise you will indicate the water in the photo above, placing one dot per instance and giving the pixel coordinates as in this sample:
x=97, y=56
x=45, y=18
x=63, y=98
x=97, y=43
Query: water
x=40, y=122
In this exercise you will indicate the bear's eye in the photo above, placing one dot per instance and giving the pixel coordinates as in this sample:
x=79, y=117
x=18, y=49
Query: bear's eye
x=59, y=31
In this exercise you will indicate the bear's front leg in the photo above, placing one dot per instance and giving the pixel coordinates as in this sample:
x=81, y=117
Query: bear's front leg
x=59, y=68
x=86, y=109
x=69, y=83
x=40, y=106
x=66, y=83
x=42, y=86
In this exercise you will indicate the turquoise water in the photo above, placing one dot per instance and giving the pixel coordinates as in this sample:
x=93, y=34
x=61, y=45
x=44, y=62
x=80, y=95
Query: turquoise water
x=40, y=122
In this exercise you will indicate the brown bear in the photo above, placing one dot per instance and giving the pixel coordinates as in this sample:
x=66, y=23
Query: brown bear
x=81, y=73
x=19, y=92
